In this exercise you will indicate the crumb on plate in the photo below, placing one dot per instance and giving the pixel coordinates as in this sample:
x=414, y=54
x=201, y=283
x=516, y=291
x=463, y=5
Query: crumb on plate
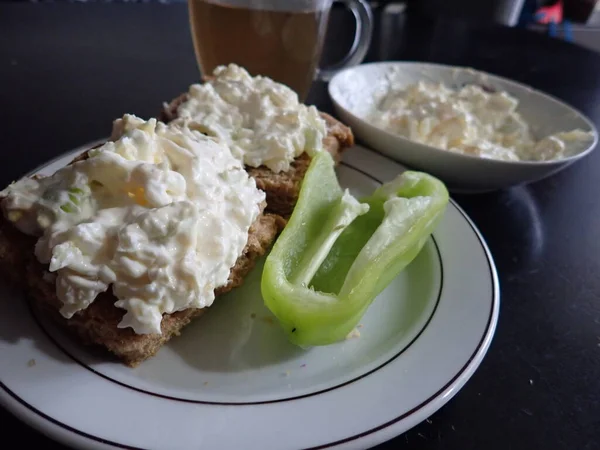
x=353, y=334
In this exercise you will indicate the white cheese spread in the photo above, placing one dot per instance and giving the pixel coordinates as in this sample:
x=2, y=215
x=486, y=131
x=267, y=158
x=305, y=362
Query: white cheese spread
x=470, y=121
x=161, y=214
x=261, y=121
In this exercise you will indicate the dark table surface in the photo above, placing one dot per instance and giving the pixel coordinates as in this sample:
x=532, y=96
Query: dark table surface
x=67, y=70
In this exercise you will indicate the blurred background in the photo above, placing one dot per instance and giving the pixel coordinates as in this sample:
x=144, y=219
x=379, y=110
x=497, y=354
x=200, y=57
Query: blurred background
x=572, y=20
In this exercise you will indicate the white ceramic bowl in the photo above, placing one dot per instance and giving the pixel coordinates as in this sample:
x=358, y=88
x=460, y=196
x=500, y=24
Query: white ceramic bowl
x=354, y=92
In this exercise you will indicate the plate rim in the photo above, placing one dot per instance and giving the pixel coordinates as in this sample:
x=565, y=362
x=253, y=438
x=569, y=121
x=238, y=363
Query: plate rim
x=67, y=435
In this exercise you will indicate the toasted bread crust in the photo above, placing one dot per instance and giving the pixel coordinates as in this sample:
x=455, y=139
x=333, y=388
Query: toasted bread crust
x=282, y=188
x=97, y=324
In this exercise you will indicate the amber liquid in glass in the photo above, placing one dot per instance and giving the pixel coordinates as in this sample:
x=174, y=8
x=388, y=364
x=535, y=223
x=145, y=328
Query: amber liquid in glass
x=285, y=46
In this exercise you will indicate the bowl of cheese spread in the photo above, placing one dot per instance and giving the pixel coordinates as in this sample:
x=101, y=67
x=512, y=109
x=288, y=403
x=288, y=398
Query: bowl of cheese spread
x=476, y=131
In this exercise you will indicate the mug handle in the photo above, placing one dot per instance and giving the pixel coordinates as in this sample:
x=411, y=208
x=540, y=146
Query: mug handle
x=362, y=38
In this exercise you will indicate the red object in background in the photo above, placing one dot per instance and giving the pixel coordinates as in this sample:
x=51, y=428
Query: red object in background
x=550, y=14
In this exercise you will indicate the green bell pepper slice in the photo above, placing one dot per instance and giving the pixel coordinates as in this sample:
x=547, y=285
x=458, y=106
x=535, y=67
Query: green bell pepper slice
x=337, y=254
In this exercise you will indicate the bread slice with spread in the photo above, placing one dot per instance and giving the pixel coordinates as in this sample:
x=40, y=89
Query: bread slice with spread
x=265, y=126
x=127, y=244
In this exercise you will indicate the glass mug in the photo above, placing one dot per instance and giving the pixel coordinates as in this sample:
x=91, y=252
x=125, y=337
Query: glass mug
x=281, y=39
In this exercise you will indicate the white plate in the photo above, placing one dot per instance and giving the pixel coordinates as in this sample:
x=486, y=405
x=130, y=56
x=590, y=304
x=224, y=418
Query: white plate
x=232, y=378
x=354, y=92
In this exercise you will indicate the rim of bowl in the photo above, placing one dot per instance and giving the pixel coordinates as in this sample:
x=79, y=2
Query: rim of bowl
x=549, y=97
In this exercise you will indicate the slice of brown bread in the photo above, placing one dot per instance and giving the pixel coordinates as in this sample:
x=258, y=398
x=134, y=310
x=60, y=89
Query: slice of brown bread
x=282, y=188
x=97, y=324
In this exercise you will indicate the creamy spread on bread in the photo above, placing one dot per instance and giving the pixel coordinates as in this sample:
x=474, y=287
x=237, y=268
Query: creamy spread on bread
x=160, y=213
x=471, y=121
x=260, y=120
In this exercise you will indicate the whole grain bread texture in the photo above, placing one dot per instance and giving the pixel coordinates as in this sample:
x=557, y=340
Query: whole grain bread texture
x=282, y=188
x=97, y=324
